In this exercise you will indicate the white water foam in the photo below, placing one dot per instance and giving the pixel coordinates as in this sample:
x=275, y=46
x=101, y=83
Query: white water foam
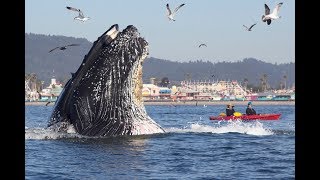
x=46, y=133
x=255, y=128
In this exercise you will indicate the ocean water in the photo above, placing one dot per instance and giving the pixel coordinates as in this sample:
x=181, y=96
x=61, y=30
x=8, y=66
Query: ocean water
x=193, y=147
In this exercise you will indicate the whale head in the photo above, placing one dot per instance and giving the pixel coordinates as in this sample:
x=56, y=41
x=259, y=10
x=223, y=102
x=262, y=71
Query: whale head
x=104, y=96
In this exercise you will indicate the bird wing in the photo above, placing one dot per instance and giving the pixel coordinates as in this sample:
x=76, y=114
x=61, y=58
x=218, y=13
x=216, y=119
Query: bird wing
x=252, y=25
x=54, y=49
x=73, y=9
x=267, y=10
x=81, y=14
x=245, y=27
x=177, y=8
x=276, y=9
x=72, y=45
x=168, y=8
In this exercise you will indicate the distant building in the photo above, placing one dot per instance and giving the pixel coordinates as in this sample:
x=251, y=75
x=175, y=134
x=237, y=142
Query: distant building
x=51, y=92
x=150, y=91
x=211, y=90
x=164, y=93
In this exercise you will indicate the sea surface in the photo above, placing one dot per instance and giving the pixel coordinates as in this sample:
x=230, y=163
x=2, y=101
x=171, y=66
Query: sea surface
x=193, y=147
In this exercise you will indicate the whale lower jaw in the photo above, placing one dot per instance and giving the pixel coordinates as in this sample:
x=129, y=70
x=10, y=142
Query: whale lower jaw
x=144, y=128
x=139, y=127
x=142, y=124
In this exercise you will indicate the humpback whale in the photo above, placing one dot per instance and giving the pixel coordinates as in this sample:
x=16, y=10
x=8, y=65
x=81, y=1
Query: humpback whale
x=104, y=96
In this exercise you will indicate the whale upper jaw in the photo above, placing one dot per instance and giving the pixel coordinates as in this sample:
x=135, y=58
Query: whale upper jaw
x=110, y=34
x=104, y=96
x=113, y=31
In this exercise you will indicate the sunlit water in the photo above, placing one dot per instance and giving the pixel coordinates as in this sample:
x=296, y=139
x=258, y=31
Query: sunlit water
x=193, y=147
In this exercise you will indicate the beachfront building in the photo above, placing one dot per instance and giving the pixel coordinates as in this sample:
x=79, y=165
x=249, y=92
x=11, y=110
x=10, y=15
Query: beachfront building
x=213, y=90
x=154, y=92
x=150, y=92
x=208, y=91
x=203, y=96
x=251, y=97
x=51, y=92
x=164, y=93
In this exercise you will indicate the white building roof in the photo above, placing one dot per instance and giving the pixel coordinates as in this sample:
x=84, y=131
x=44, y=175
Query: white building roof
x=150, y=86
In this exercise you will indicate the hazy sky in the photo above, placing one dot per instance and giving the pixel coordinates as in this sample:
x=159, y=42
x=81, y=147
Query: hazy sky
x=218, y=23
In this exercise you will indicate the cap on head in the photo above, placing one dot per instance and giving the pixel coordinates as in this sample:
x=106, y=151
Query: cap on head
x=249, y=103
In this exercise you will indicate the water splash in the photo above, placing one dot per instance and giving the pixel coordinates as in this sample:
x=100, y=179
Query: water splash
x=46, y=133
x=255, y=128
x=252, y=128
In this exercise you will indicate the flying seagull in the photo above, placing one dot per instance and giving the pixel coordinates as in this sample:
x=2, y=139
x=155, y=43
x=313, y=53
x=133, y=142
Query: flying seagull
x=80, y=17
x=63, y=47
x=202, y=45
x=249, y=29
x=171, y=14
x=274, y=15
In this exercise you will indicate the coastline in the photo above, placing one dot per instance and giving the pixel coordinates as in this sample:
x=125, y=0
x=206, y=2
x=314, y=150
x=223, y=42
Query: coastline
x=193, y=103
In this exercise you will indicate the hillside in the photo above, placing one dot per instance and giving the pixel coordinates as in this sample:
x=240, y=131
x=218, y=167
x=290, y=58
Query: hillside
x=61, y=63
x=250, y=68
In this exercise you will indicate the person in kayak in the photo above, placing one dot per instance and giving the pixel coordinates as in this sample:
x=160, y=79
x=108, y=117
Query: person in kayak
x=229, y=110
x=250, y=110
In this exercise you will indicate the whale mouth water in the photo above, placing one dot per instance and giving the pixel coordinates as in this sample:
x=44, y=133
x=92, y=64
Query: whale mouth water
x=104, y=96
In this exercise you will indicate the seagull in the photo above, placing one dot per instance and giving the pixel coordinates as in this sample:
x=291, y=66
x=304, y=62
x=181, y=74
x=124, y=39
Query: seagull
x=202, y=45
x=274, y=15
x=171, y=14
x=80, y=17
x=63, y=47
x=249, y=29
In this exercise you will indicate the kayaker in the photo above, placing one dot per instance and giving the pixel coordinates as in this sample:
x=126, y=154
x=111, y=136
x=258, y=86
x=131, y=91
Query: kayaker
x=229, y=110
x=250, y=110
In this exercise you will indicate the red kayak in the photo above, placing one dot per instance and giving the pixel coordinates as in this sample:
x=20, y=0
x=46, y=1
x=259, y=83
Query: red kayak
x=248, y=117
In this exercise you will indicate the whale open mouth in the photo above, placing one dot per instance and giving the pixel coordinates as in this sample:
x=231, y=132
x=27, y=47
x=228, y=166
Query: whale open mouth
x=104, y=96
